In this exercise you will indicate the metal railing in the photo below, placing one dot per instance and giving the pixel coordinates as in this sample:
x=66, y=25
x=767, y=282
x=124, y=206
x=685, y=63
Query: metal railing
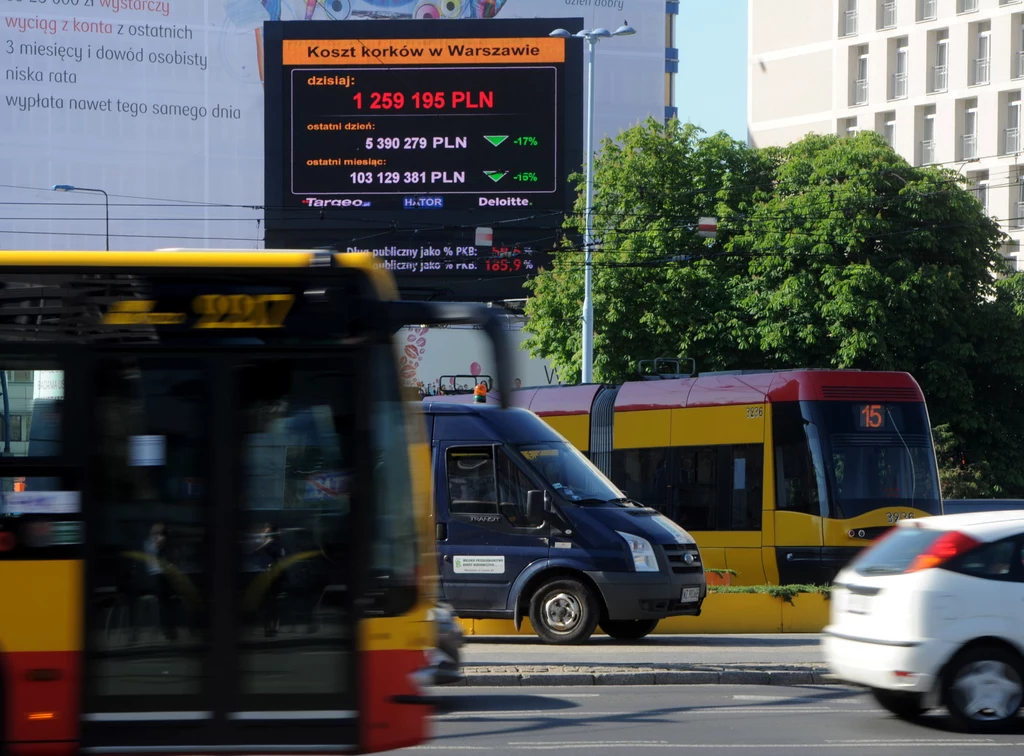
x=927, y=151
x=1020, y=65
x=966, y=6
x=888, y=15
x=860, y=92
x=1018, y=220
x=928, y=9
x=969, y=147
x=981, y=70
x=940, y=78
x=1011, y=142
x=850, y=23
x=899, y=86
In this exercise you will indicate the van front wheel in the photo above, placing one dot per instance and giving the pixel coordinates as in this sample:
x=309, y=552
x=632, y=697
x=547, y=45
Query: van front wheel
x=564, y=611
x=628, y=630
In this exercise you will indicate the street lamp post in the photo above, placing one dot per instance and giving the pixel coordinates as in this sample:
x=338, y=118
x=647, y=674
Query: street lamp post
x=592, y=37
x=106, y=202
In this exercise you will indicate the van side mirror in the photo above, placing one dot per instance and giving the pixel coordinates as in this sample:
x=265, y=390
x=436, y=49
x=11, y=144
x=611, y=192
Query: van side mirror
x=536, y=505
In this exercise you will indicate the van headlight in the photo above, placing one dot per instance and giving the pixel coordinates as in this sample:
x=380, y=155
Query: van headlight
x=644, y=559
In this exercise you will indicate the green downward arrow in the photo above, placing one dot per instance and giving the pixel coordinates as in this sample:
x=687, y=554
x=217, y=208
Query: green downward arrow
x=496, y=140
x=496, y=176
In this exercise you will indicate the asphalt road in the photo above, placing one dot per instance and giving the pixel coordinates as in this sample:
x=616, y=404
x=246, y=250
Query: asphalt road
x=709, y=720
x=780, y=648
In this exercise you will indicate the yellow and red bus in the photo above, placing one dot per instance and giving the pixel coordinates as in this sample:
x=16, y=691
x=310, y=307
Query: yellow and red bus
x=214, y=518
x=779, y=476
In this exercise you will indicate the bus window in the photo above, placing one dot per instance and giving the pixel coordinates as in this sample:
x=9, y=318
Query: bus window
x=298, y=440
x=31, y=405
x=394, y=551
x=149, y=583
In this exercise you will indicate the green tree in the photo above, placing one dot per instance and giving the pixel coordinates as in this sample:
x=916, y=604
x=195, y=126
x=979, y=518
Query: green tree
x=859, y=260
x=652, y=184
x=832, y=252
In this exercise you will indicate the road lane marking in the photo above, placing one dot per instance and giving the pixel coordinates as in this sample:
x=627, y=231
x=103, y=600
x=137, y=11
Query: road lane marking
x=545, y=746
x=584, y=714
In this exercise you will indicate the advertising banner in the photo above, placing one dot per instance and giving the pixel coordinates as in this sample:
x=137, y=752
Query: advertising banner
x=152, y=111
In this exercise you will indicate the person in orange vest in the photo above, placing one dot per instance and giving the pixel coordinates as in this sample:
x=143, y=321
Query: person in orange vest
x=480, y=394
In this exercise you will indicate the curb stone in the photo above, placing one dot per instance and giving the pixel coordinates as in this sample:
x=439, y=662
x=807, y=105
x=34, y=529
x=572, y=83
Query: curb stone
x=579, y=675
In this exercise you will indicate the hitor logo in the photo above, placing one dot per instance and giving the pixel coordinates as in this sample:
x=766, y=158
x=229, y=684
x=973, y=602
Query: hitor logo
x=316, y=202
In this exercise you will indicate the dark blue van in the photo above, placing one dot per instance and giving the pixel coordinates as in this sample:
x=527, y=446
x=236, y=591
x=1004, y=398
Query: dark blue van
x=528, y=527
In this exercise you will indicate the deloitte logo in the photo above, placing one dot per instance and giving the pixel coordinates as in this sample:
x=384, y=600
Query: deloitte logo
x=504, y=202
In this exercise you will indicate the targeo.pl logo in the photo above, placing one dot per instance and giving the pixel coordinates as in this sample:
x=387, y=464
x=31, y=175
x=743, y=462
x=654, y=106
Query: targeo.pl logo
x=316, y=202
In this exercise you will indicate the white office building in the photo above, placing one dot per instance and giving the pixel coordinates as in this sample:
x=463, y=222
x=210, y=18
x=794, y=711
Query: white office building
x=941, y=80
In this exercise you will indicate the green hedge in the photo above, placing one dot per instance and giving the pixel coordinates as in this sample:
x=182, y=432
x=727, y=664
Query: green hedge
x=784, y=592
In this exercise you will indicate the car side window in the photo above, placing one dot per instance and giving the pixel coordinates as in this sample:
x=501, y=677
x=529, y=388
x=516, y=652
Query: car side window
x=472, y=487
x=513, y=486
x=994, y=561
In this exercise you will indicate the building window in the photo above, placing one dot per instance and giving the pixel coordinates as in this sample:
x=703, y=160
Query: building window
x=887, y=14
x=966, y=6
x=848, y=127
x=940, y=65
x=885, y=124
x=926, y=10
x=927, y=145
x=848, y=18
x=1011, y=141
x=969, y=138
x=980, y=188
x=982, y=50
x=859, y=64
x=899, y=78
x=1018, y=54
x=1017, y=197
x=15, y=421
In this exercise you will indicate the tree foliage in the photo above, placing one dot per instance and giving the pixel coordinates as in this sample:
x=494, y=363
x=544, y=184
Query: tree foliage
x=831, y=252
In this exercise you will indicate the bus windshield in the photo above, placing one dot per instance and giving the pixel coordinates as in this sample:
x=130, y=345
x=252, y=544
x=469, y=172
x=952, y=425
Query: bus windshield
x=844, y=459
x=571, y=474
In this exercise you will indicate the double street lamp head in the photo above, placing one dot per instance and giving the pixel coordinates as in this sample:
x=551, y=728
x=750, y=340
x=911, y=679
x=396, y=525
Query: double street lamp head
x=623, y=31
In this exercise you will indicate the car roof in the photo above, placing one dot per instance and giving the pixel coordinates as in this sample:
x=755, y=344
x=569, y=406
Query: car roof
x=984, y=525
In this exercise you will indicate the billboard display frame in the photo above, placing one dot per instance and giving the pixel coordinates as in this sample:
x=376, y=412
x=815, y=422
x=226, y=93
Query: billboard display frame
x=285, y=221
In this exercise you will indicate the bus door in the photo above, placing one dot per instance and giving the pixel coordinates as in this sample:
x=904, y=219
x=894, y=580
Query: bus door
x=218, y=558
x=41, y=538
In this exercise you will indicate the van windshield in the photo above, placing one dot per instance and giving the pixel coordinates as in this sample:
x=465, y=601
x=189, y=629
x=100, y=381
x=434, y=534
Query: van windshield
x=571, y=474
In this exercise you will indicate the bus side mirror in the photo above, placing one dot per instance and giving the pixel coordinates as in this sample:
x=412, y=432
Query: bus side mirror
x=535, y=506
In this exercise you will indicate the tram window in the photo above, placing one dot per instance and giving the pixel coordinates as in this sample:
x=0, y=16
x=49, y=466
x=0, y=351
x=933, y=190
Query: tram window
x=746, y=487
x=697, y=476
x=794, y=464
x=644, y=475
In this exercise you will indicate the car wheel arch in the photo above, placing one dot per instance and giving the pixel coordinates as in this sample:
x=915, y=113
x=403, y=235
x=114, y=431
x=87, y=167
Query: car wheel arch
x=546, y=575
x=985, y=641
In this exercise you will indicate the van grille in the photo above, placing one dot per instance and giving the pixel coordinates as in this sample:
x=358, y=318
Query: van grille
x=675, y=554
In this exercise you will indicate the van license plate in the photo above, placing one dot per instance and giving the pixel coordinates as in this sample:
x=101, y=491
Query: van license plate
x=691, y=594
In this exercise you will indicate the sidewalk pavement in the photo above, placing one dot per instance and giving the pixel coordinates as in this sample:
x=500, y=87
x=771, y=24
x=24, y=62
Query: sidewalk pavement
x=783, y=659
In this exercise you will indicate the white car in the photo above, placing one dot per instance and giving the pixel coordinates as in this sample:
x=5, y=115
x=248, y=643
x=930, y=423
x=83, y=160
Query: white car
x=932, y=614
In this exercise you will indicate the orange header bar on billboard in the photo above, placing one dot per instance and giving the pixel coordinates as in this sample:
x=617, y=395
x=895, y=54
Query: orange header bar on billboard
x=423, y=52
